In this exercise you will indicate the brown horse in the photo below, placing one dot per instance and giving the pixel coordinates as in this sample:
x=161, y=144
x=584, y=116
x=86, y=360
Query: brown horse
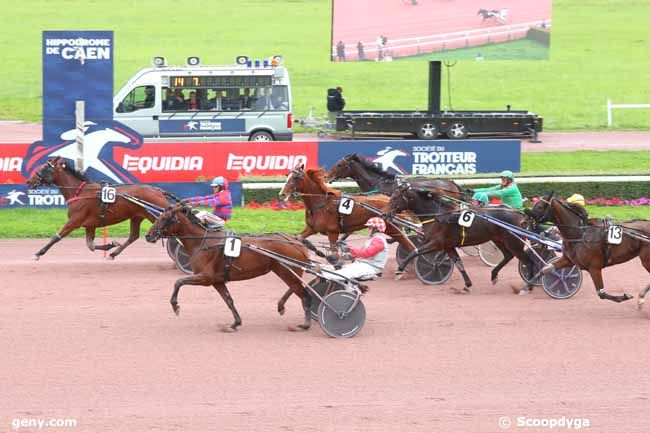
x=370, y=177
x=85, y=207
x=585, y=242
x=321, y=208
x=210, y=267
x=443, y=233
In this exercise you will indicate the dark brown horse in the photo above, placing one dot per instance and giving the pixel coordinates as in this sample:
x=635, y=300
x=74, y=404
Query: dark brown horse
x=322, y=203
x=206, y=250
x=443, y=233
x=585, y=242
x=370, y=177
x=85, y=208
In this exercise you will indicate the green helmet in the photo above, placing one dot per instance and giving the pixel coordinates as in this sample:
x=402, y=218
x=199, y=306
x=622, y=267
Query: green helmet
x=508, y=174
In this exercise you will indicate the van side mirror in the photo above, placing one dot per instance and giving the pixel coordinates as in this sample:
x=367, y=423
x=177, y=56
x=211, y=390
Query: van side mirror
x=120, y=108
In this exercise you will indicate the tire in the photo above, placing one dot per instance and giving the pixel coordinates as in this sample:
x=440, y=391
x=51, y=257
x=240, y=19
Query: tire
x=261, y=136
x=457, y=131
x=427, y=131
x=562, y=283
x=546, y=254
x=172, y=243
x=434, y=268
x=490, y=254
x=344, y=321
x=400, y=252
x=183, y=260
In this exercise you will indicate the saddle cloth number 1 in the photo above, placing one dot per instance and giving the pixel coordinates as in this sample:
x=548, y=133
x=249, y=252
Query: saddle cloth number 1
x=466, y=218
x=232, y=247
x=615, y=235
x=108, y=194
x=346, y=206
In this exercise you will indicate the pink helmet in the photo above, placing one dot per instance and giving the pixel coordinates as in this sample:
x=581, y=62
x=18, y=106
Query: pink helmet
x=376, y=223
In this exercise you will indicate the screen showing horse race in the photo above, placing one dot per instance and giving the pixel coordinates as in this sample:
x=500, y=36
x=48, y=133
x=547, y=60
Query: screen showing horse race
x=389, y=30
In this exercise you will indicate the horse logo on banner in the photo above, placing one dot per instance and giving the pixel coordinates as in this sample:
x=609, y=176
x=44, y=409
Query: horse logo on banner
x=386, y=159
x=99, y=141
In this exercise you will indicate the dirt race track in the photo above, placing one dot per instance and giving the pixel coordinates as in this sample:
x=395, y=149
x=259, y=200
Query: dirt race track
x=97, y=341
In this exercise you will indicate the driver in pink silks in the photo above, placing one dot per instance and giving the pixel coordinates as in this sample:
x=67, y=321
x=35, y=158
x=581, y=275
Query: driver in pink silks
x=372, y=257
x=220, y=200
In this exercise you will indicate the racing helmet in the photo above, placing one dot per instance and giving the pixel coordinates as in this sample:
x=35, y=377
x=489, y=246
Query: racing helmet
x=219, y=181
x=576, y=199
x=508, y=174
x=376, y=223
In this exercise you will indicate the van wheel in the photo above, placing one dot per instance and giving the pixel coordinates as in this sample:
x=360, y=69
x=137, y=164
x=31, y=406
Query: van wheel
x=457, y=130
x=427, y=131
x=261, y=136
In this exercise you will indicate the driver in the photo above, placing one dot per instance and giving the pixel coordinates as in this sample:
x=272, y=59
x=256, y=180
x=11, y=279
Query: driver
x=220, y=199
x=507, y=191
x=372, y=257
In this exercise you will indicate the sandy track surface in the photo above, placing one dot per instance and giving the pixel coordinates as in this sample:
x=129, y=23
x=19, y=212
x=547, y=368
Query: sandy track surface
x=96, y=340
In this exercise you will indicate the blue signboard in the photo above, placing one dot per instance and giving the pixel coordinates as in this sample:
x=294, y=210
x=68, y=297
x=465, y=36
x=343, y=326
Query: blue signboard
x=429, y=158
x=19, y=195
x=202, y=126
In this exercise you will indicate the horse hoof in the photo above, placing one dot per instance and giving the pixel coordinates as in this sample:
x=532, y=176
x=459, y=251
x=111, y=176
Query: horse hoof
x=494, y=281
x=176, y=308
x=298, y=328
x=228, y=329
x=398, y=275
x=281, y=310
x=524, y=292
x=110, y=257
x=640, y=303
x=35, y=257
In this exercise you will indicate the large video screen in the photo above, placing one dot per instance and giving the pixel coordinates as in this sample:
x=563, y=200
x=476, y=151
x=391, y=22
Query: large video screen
x=389, y=30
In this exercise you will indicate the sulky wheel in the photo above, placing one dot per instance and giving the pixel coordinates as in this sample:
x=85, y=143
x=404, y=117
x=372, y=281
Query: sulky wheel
x=323, y=287
x=183, y=260
x=172, y=243
x=434, y=268
x=471, y=251
x=401, y=253
x=490, y=254
x=546, y=254
x=342, y=315
x=562, y=283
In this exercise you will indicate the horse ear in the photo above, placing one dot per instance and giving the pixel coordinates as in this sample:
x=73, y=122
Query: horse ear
x=302, y=166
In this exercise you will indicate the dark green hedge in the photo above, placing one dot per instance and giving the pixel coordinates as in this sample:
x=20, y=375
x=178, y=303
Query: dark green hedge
x=624, y=190
x=542, y=36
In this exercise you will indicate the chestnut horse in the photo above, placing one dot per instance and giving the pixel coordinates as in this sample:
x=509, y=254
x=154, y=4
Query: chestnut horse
x=443, y=233
x=85, y=207
x=585, y=242
x=370, y=177
x=321, y=208
x=206, y=251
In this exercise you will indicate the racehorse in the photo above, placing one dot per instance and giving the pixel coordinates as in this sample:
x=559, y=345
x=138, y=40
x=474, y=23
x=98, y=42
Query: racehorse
x=322, y=203
x=443, y=232
x=211, y=267
x=497, y=15
x=585, y=242
x=85, y=208
x=370, y=177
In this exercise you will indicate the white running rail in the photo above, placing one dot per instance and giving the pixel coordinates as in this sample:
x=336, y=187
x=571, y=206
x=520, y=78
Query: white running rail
x=611, y=106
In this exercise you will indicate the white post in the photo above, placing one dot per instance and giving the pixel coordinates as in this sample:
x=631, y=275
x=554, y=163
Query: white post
x=609, y=112
x=80, y=114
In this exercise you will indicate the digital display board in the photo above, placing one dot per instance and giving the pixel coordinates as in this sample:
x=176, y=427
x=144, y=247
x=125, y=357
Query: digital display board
x=388, y=30
x=214, y=81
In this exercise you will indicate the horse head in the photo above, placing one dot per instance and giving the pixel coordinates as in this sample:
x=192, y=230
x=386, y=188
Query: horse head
x=293, y=183
x=167, y=223
x=343, y=168
x=542, y=211
x=401, y=199
x=44, y=175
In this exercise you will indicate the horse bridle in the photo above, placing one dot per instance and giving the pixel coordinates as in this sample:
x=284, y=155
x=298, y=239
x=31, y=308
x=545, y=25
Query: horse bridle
x=171, y=220
x=41, y=176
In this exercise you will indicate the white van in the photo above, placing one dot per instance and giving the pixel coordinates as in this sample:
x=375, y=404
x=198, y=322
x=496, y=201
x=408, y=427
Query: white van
x=247, y=101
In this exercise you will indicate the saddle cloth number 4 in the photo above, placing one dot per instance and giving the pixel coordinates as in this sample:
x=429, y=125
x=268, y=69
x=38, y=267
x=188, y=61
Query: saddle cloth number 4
x=108, y=194
x=615, y=235
x=232, y=247
x=346, y=206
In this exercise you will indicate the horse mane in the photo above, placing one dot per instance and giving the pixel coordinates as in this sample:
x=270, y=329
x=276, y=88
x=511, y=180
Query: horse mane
x=69, y=167
x=318, y=175
x=578, y=210
x=371, y=166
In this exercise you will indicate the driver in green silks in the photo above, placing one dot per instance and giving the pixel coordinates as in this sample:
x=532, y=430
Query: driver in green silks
x=507, y=191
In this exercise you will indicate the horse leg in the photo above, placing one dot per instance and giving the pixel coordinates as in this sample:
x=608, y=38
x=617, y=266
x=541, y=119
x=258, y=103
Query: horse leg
x=597, y=278
x=90, y=241
x=294, y=282
x=65, y=231
x=225, y=294
x=645, y=261
x=642, y=294
x=196, y=280
x=134, y=234
x=507, y=256
x=458, y=262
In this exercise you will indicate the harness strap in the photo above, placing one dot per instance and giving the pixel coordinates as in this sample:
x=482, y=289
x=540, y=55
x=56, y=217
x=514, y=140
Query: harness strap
x=75, y=196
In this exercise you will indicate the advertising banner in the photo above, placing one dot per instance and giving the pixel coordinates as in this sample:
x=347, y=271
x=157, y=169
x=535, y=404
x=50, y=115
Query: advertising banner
x=429, y=158
x=201, y=127
x=19, y=195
